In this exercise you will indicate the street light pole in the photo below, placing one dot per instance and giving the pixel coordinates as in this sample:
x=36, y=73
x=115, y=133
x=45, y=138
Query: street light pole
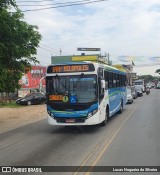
x=40, y=84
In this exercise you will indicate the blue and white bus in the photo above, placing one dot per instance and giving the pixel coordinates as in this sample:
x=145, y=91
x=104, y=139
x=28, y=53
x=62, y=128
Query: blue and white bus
x=84, y=93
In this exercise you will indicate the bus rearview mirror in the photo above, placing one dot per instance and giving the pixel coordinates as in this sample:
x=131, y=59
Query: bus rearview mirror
x=103, y=84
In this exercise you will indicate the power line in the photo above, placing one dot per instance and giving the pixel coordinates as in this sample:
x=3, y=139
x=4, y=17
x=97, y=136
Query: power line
x=49, y=50
x=56, y=50
x=71, y=2
x=68, y=5
x=33, y=1
x=46, y=46
x=52, y=50
x=46, y=49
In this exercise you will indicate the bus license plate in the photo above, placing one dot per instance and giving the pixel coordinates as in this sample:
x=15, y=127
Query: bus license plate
x=70, y=120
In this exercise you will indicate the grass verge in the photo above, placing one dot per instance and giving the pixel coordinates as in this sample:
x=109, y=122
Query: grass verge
x=10, y=105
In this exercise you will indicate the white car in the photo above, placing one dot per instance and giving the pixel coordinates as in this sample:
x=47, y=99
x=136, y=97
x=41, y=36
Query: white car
x=139, y=91
x=140, y=87
x=129, y=95
x=149, y=86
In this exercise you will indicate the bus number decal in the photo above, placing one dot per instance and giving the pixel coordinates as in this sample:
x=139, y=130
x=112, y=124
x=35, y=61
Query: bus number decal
x=56, y=97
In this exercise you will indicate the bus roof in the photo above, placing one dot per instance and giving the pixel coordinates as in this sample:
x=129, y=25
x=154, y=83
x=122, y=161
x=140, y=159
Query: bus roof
x=111, y=68
x=139, y=80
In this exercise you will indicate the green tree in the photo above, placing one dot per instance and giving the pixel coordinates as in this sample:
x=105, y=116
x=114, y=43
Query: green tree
x=147, y=78
x=18, y=45
x=158, y=71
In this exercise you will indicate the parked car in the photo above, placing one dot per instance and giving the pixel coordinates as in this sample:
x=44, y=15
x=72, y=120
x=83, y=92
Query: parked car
x=139, y=85
x=153, y=85
x=139, y=91
x=134, y=92
x=32, y=99
x=148, y=86
x=129, y=95
x=158, y=86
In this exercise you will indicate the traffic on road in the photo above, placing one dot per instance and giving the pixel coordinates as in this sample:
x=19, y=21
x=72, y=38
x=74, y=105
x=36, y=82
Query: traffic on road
x=129, y=139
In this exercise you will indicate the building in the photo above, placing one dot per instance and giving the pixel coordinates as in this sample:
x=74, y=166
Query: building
x=76, y=58
x=31, y=80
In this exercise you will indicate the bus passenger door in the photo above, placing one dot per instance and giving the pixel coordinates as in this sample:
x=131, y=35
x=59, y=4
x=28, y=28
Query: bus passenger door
x=102, y=105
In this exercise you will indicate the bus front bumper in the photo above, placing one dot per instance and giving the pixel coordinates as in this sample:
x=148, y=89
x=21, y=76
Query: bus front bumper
x=93, y=120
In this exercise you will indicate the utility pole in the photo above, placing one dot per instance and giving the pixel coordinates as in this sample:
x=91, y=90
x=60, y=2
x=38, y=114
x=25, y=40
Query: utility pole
x=108, y=58
x=60, y=52
x=109, y=62
x=40, y=83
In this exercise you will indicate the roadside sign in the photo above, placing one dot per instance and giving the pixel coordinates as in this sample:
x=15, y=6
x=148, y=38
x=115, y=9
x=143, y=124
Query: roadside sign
x=88, y=49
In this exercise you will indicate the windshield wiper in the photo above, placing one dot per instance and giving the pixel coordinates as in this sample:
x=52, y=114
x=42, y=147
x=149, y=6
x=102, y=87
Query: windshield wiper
x=81, y=76
x=63, y=85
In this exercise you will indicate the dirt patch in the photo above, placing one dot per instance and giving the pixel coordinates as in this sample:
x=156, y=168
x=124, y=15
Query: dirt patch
x=11, y=118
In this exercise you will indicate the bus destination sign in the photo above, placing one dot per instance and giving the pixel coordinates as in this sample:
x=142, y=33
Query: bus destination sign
x=70, y=68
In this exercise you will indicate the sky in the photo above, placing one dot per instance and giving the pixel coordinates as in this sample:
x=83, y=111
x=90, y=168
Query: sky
x=129, y=30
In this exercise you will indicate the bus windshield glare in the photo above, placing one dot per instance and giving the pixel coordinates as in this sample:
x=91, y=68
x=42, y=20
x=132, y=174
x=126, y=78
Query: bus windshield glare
x=72, y=89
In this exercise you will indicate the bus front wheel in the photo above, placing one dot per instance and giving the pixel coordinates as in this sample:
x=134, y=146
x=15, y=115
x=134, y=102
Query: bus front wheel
x=106, y=118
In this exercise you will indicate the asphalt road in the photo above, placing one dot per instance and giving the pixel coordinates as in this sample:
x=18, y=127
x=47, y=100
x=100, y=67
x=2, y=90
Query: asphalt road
x=129, y=139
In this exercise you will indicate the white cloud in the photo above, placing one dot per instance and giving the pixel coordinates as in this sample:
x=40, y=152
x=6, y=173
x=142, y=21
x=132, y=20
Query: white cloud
x=120, y=27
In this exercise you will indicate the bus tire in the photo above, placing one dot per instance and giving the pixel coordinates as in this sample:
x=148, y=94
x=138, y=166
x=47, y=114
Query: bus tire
x=106, y=118
x=121, y=108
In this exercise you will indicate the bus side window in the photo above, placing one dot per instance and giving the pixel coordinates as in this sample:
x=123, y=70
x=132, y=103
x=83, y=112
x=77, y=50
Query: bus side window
x=101, y=89
x=124, y=80
x=106, y=77
x=118, y=80
x=100, y=72
x=114, y=80
x=110, y=80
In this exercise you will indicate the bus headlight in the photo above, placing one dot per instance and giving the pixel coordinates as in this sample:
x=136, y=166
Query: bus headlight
x=95, y=111
x=52, y=115
x=89, y=114
x=49, y=112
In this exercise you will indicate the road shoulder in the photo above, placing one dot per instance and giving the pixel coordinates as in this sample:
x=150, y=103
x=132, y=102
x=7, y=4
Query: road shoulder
x=11, y=118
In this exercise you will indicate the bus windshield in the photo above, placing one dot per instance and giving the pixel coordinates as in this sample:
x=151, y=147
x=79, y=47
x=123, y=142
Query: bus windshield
x=72, y=89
